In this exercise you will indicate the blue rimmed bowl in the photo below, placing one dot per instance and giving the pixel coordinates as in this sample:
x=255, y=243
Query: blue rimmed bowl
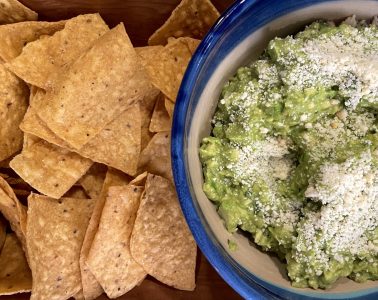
x=239, y=37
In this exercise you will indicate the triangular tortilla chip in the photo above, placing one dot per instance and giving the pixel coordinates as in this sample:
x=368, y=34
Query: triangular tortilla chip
x=55, y=233
x=91, y=288
x=169, y=106
x=13, y=211
x=93, y=180
x=13, y=104
x=156, y=157
x=89, y=96
x=161, y=241
x=167, y=68
x=15, y=275
x=160, y=120
x=191, y=18
x=12, y=11
x=3, y=231
x=110, y=259
x=42, y=59
x=49, y=169
x=15, y=36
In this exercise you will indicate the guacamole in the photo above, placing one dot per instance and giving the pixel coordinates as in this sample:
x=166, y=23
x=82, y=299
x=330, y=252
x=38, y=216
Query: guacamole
x=292, y=158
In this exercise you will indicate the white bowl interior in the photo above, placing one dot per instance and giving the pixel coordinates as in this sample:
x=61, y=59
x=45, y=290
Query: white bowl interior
x=247, y=255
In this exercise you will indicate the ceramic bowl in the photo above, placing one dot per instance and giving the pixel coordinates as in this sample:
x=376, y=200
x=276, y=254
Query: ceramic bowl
x=239, y=37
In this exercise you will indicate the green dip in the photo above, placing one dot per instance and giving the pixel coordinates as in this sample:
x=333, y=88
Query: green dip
x=292, y=158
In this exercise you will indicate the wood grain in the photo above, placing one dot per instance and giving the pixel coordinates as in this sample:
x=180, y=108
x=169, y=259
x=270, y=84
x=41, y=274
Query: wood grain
x=141, y=19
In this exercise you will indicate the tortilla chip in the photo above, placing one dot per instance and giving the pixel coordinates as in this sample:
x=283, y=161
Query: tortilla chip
x=13, y=104
x=161, y=241
x=29, y=140
x=160, y=120
x=168, y=66
x=76, y=192
x=42, y=59
x=146, y=115
x=140, y=180
x=170, y=107
x=55, y=233
x=93, y=180
x=89, y=96
x=191, y=18
x=12, y=11
x=15, y=275
x=49, y=169
x=91, y=288
x=110, y=259
x=15, y=36
x=3, y=231
x=156, y=158
x=147, y=53
x=13, y=211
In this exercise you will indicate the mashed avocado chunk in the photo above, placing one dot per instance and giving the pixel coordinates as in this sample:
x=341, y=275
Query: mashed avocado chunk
x=293, y=158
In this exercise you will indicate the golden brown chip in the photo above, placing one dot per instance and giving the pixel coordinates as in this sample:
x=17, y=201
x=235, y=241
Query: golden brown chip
x=12, y=11
x=161, y=241
x=160, y=120
x=13, y=104
x=76, y=192
x=169, y=106
x=49, y=169
x=156, y=157
x=3, y=231
x=91, y=288
x=191, y=18
x=110, y=259
x=167, y=68
x=93, y=180
x=15, y=275
x=147, y=53
x=55, y=233
x=13, y=211
x=42, y=59
x=140, y=180
x=29, y=140
x=89, y=96
x=15, y=36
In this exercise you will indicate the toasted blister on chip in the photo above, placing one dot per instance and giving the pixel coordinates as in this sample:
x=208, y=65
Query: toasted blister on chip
x=161, y=241
x=156, y=157
x=191, y=18
x=15, y=36
x=3, y=231
x=13, y=210
x=167, y=68
x=160, y=120
x=93, y=180
x=91, y=288
x=169, y=106
x=15, y=275
x=89, y=96
x=50, y=169
x=13, y=11
x=42, y=59
x=110, y=259
x=14, y=96
x=55, y=233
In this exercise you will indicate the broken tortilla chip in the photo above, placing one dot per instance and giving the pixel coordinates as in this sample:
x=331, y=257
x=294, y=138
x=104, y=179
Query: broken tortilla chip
x=55, y=233
x=167, y=68
x=49, y=169
x=15, y=275
x=91, y=287
x=14, y=96
x=89, y=96
x=110, y=259
x=156, y=157
x=161, y=241
x=93, y=180
x=13, y=11
x=13, y=211
x=170, y=107
x=15, y=36
x=42, y=59
x=160, y=120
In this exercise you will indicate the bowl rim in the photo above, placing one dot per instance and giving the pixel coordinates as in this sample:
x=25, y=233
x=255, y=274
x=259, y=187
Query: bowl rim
x=209, y=246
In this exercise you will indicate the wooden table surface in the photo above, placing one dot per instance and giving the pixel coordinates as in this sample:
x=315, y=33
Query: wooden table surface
x=141, y=19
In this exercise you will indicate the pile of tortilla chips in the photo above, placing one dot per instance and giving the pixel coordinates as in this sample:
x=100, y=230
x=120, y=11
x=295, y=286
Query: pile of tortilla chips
x=87, y=201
